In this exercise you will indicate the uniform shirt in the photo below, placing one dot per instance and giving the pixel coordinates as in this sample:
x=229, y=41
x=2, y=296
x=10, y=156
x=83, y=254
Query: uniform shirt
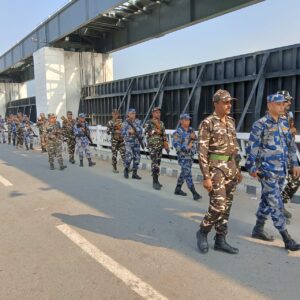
x=53, y=132
x=181, y=140
x=271, y=146
x=131, y=138
x=217, y=137
x=67, y=127
x=155, y=132
x=79, y=129
x=112, y=127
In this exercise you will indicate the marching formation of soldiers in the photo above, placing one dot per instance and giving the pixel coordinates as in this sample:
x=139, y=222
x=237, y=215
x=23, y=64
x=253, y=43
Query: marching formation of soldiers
x=271, y=158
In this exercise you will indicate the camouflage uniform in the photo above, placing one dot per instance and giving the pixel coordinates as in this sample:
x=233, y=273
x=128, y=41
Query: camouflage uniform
x=132, y=145
x=2, y=129
x=54, y=143
x=117, y=141
x=155, y=133
x=271, y=148
x=68, y=133
x=9, y=130
x=82, y=142
x=20, y=125
x=41, y=124
x=219, y=160
x=181, y=140
x=28, y=136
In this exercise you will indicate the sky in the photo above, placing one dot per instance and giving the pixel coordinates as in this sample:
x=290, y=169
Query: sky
x=266, y=25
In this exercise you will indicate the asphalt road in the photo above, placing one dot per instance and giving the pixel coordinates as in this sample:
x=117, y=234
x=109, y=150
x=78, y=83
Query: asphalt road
x=86, y=233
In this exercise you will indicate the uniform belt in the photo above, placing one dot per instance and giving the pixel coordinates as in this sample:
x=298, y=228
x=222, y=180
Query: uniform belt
x=219, y=157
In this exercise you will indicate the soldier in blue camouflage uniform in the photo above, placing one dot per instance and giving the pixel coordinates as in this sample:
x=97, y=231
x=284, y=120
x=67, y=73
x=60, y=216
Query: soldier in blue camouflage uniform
x=2, y=129
x=114, y=127
x=28, y=136
x=219, y=163
x=185, y=144
x=155, y=132
x=292, y=182
x=132, y=132
x=270, y=152
x=82, y=137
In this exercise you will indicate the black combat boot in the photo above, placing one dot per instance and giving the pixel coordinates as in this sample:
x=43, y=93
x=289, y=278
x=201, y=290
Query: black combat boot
x=222, y=245
x=289, y=243
x=202, y=240
x=14, y=142
x=91, y=163
x=27, y=148
x=196, y=196
x=156, y=185
x=115, y=170
x=51, y=166
x=258, y=232
x=126, y=173
x=81, y=163
x=62, y=167
x=31, y=146
x=159, y=182
x=287, y=214
x=135, y=175
x=72, y=160
x=44, y=150
x=179, y=191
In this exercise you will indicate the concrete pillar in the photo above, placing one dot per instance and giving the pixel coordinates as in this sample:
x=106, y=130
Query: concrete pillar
x=60, y=76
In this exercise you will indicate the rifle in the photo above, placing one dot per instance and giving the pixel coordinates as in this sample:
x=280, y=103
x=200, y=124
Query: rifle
x=86, y=135
x=136, y=134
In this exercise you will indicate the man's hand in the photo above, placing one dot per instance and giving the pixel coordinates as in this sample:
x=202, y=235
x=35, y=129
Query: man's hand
x=131, y=131
x=193, y=136
x=296, y=172
x=239, y=177
x=207, y=184
x=255, y=174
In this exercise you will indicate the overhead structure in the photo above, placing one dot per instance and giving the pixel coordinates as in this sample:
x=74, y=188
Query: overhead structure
x=104, y=26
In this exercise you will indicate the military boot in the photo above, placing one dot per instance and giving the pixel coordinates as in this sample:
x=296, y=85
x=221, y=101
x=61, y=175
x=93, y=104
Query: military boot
x=202, y=240
x=258, y=232
x=156, y=185
x=14, y=142
x=222, y=245
x=31, y=146
x=115, y=170
x=126, y=173
x=179, y=191
x=72, y=160
x=135, y=175
x=44, y=150
x=27, y=148
x=62, y=167
x=196, y=196
x=91, y=163
x=81, y=163
x=51, y=166
x=289, y=243
x=159, y=182
x=287, y=214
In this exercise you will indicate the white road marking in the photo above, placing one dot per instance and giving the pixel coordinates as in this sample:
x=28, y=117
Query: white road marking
x=132, y=281
x=5, y=182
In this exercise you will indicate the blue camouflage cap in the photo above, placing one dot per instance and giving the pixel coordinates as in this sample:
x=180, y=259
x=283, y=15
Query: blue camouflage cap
x=276, y=98
x=185, y=116
x=82, y=115
x=131, y=110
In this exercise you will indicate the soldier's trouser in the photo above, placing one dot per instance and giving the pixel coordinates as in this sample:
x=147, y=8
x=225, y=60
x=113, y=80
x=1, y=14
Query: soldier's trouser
x=20, y=138
x=54, y=149
x=71, y=147
x=220, y=203
x=155, y=155
x=43, y=141
x=9, y=134
x=186, y=172
x=84, y=149
x=2, y=132
x=133, y=153
x=28, y=140
x=271, y=200
x=290, y=188
x=117, y=145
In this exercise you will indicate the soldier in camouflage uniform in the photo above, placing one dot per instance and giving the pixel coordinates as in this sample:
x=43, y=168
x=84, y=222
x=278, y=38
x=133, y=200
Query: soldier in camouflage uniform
x=9, y=127
x=132, y=133
x=270, y=152
x=2, y=129
x=54, y=141
x=155, y=132
x=114, y=128
x=28, y=136
x=219, y=163
x=82, y=136
x=41, y=124
x=67, y=127
x=185, y=144
x=20, y=125
x=292, y=182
